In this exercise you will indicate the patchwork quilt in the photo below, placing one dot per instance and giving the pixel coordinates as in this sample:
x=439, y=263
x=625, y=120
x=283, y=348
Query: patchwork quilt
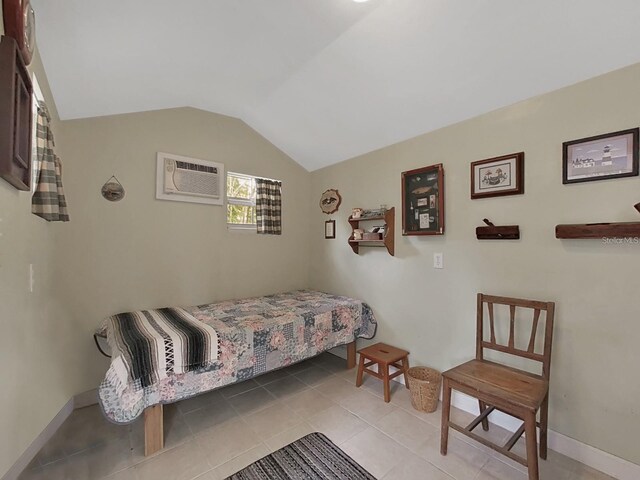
x=254, y=336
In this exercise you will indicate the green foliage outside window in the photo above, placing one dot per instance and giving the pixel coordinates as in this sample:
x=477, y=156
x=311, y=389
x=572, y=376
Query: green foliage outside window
x=241, y=195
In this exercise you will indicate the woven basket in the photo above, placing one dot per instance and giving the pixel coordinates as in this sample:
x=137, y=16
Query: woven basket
x=424, y=385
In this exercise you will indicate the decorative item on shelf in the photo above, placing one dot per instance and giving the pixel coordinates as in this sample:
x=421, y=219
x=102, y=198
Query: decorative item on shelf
x=602, y=231
x=612, y=155
x=113, y=190
x=371, y=236
x=423, y=201
x=491, y=232
x=356, y=212
x=358, y=234
x=498, y=176
x=330, y=229
x=330, y=201
x=20, y=23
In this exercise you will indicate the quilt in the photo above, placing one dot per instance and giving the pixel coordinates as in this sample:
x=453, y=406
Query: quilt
x=255, y=335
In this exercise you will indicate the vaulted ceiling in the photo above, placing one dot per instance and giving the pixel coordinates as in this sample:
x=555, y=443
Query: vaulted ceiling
x=326, y=80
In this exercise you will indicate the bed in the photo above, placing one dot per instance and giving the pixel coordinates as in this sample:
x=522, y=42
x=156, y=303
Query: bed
x=245, y=338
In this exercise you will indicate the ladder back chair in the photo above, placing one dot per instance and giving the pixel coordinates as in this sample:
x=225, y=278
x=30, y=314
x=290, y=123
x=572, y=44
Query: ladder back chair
x=499, y=387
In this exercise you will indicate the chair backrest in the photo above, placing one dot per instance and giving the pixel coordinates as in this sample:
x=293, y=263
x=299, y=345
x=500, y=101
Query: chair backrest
x=510, y=348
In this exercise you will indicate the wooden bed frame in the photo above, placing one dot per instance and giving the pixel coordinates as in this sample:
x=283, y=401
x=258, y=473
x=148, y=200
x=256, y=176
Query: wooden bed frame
x=154, y=418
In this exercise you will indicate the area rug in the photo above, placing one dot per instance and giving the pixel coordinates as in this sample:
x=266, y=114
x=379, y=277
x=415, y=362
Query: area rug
x=313, y=457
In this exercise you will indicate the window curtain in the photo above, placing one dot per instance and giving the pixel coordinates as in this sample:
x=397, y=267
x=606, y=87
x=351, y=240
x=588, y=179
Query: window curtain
x=48, y=201
x=269, y=206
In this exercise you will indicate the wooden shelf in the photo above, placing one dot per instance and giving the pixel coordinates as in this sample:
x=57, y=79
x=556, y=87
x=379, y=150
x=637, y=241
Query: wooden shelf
x=387, y=241
x=598, y=230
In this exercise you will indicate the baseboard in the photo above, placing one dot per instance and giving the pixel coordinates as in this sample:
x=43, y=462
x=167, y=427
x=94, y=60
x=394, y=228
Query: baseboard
x=85, y=399
x=570, y=447
x=29, y=454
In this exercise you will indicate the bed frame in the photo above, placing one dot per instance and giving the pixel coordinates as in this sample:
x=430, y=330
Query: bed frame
x=154, y=418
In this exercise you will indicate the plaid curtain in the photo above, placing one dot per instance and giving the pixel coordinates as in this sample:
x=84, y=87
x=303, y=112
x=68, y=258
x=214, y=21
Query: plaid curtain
x=269, y=206
x=48, y=200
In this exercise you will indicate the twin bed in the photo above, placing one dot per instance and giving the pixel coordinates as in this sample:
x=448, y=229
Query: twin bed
x=167, y=355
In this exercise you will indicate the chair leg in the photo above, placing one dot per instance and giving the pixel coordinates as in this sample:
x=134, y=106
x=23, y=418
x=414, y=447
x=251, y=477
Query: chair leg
x=360, y=371
x=485, y=420
x=446, y=409
x=405, y=365
x=532, y=446
x=544, y=424
x=385, y=374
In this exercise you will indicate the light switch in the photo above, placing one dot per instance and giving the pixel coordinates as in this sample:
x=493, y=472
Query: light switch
x=438, y=260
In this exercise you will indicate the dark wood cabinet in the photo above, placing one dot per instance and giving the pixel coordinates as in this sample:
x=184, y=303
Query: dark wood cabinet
x=16, y=92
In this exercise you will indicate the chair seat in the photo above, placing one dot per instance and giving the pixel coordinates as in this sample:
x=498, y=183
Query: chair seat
x=508, y=385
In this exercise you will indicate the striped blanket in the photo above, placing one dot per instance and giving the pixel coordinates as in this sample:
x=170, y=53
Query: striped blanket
x=158, y=343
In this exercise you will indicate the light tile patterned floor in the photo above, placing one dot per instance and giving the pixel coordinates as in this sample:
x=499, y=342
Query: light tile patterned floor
x=214, y=435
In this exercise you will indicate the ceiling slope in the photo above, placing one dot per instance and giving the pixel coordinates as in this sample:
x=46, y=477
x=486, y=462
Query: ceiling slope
x=327, y=80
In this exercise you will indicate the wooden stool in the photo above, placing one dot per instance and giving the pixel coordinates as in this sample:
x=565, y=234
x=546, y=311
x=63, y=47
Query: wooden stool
x=383, y=355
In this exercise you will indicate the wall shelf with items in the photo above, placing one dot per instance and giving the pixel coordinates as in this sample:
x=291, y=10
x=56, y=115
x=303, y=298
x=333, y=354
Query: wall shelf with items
x=600, y=230
x=387, y=239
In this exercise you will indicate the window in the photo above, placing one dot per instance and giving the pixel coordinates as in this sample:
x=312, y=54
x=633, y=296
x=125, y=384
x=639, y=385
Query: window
x=241, y=201
x=35, y=165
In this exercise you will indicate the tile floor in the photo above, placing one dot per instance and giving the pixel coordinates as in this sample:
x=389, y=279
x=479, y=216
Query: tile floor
x=214, y=435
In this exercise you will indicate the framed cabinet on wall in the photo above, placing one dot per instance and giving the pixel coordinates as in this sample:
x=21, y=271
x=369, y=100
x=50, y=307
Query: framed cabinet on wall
x=16, y=92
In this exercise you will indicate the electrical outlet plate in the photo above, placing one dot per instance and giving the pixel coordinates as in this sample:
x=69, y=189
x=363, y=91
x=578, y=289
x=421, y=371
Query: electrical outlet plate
x=438, y=260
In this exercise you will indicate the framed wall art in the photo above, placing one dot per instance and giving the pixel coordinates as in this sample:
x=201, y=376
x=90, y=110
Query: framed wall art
x=423, y=201
x=330, y=229
x=612, y=155
x=498, y=176
x=330, y=201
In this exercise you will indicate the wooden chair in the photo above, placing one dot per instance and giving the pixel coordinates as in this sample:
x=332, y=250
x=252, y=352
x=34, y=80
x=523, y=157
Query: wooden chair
x=499, y=387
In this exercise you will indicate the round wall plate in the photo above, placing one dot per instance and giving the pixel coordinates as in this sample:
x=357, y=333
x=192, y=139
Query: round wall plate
x=330, y=201
x=20, y=23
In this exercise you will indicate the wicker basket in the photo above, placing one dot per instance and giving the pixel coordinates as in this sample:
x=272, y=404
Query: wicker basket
x=424, y=385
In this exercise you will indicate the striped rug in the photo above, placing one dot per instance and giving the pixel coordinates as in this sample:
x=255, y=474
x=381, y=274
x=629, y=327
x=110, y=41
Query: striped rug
x=313, y=457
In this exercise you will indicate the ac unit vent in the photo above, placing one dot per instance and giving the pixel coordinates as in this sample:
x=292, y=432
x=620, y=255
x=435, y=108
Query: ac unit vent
x=189, y=180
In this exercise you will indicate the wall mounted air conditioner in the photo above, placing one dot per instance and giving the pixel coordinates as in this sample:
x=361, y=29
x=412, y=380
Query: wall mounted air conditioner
x=185, y=179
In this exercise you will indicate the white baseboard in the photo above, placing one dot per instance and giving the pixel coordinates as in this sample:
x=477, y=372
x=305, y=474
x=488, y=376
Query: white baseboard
x=570, y=447
x=32, y=450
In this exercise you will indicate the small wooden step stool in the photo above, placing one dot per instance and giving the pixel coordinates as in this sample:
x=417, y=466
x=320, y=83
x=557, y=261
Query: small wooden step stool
x=383, y=355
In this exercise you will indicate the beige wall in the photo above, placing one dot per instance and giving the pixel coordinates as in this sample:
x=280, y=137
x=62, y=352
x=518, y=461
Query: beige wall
x=142, y=252
x=594, y=392
x=33, y=353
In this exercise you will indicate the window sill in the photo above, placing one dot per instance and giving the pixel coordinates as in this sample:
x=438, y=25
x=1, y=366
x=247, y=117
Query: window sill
x=242, y=228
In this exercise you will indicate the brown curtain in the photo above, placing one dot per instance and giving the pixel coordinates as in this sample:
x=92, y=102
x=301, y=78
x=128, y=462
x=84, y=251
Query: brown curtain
x=269, y=206
x=48, y=201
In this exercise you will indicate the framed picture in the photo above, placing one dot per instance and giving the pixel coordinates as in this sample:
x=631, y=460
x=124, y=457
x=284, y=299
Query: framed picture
x=330, y=229
x=423, y=201
x=498, y=176
x=612, y=155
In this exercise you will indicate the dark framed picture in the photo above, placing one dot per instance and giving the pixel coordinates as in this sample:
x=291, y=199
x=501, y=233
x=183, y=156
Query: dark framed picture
x=330, y=229
x=423, y=201
x=498, y=176
x=612, y=155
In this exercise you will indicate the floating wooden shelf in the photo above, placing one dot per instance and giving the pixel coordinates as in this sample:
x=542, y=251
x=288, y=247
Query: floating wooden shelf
x=491, y=232
x=388, y=237
x=598, y=230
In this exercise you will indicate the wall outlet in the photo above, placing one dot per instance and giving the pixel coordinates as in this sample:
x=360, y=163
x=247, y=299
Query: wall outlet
x=438, y=260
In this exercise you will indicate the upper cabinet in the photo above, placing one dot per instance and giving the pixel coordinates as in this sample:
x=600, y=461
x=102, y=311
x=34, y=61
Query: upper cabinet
x=15, y=116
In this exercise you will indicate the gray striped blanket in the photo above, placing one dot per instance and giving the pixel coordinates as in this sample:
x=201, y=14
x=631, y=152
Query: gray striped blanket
x=157, y=343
